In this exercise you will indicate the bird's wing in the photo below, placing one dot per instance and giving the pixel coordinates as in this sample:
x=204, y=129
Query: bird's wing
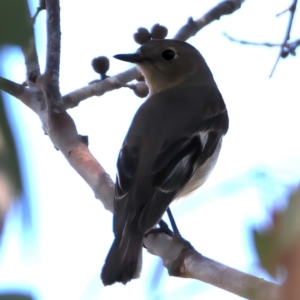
x=176, y=162
x=127, y=165
x=175, y=165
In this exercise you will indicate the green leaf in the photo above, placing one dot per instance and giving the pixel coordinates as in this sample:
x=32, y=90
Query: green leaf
x=14, y=296
x=15, y=28
x=290, y=228
x=276, y=241
x=15, y=23
x=267, y=250
x=8, y=154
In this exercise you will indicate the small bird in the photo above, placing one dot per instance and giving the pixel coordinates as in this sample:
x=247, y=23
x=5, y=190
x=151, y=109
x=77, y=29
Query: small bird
x=169, y=151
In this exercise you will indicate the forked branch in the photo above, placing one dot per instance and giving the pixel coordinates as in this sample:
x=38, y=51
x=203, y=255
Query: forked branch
x=43, y=97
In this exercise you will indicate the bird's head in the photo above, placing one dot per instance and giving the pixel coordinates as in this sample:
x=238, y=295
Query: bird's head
x=169, y=63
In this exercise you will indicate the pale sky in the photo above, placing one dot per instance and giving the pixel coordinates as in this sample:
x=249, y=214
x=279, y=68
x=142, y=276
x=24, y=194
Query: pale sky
x=260, y=158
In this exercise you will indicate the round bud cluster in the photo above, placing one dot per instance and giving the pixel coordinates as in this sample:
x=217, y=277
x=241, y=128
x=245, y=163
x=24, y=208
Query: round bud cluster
x=284, y=52
x=101, y=65
x=141, y=89
x=158, y=32
x=143, y=35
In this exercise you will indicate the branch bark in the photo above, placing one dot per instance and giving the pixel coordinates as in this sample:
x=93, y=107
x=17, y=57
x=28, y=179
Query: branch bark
x=50, y=79
x=226, y=7
x=182, y=260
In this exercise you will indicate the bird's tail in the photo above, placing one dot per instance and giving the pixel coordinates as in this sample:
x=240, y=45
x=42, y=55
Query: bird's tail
x=124, y=260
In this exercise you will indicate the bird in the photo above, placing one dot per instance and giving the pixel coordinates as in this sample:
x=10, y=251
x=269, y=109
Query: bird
x=169, y=151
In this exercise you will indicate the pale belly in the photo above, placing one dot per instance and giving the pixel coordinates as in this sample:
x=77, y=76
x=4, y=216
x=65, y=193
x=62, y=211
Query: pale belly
x=201, y=174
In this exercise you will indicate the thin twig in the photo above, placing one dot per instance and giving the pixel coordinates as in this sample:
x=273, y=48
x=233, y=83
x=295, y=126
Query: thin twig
x=99, y=88
x=289, y=45
x=226, y=7
x=285, y=10
x=267, y=44
x=31, y=57
x=292, y=10
x=10, y=87
x=41, y=7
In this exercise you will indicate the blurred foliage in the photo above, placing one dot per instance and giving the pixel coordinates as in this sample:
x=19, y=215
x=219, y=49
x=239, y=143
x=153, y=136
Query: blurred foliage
x=15, y=29
x=8, y=155
x=15, y=22
x=266, y=244
x=15, y=297
x=277, y=244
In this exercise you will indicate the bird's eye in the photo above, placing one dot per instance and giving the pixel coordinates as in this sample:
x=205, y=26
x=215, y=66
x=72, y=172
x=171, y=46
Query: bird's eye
x=168, y=54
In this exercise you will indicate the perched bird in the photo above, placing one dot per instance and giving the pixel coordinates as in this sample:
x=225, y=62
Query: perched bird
x=169, y=151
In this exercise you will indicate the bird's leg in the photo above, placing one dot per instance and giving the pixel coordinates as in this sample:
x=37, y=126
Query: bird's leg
x=164, y=228
x=176, y=234
x=173, y=223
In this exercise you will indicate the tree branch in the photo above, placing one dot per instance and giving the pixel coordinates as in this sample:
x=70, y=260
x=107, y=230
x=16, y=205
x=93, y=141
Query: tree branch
x=50, y=79
x=101, y=87
x=183, y=260
x=11, y=87
x=226, y=7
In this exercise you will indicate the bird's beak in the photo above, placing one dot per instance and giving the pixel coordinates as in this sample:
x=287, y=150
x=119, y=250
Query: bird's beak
x=133, y=58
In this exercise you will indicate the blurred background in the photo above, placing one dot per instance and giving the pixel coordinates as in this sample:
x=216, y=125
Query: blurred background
x=56, y=234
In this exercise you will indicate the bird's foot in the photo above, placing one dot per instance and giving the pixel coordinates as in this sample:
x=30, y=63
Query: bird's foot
x=163, y=228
